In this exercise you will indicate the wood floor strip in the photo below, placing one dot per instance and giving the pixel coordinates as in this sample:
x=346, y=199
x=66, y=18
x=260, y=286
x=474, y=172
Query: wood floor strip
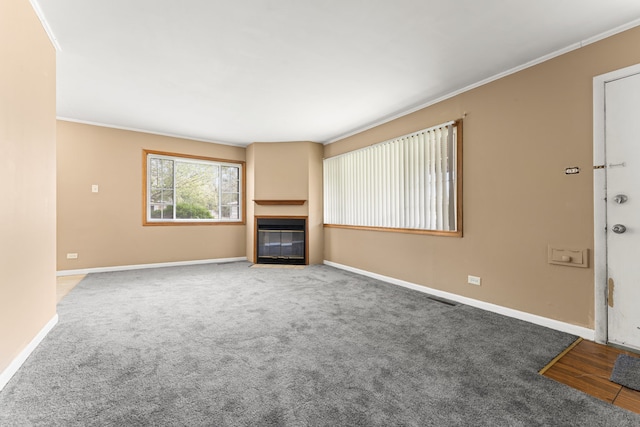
x=560, y=356
x=628, y=399
x=577, y=378
x=587, y=367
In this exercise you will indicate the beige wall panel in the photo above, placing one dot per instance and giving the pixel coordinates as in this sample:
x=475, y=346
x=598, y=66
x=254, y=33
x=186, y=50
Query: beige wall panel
x=282, y=210
x=520, y=133
x=105, y=228
x=315, y=223
x=281, y=170
x=27, y=171
x=250, y=159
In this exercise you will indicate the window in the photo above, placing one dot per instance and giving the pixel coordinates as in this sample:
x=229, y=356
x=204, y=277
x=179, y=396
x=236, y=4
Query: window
x=411, y=184
x=181, y=189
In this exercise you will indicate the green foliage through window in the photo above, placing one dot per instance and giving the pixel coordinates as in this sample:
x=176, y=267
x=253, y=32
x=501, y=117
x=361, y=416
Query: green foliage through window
x=183, y=210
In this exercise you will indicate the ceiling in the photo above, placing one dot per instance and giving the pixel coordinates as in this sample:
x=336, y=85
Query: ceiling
x=248, y=71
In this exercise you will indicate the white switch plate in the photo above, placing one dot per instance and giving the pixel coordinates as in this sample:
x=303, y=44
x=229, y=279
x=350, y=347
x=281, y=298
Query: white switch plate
x=474, y=280
x=72, y=256
x=94, y=188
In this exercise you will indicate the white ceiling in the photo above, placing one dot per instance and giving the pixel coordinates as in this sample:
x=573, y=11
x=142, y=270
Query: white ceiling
x=289, y=70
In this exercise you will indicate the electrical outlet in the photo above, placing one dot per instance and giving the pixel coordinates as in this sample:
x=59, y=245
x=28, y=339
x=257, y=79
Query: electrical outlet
x=72, y=256
x=94, y=188
x=474, y=280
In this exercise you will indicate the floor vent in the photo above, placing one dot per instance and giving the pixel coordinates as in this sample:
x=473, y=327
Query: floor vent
x=443, y=301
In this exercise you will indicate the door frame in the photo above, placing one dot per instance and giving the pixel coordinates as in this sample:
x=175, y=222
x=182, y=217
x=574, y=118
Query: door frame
x=599, y=196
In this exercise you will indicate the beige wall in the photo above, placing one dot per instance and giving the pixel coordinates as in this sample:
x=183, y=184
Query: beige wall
x=105, y=228
x=287, y=171
x=520, y=133
x=250, y=196
x=27, y=172
x=315, y=205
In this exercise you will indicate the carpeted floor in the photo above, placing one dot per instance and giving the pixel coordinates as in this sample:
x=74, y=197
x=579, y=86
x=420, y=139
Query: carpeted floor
x=228, y=345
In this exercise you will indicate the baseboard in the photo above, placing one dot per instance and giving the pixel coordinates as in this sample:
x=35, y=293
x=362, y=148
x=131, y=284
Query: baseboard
x=13, y=367
x=141, y=266
x=580, y=331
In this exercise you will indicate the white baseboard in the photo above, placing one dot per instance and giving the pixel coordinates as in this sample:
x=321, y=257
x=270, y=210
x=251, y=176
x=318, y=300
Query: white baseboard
x=13, y=367
x=141, y=266
x=569, y=328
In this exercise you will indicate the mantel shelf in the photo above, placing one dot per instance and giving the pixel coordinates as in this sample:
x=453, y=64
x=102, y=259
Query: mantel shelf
x=280, y=202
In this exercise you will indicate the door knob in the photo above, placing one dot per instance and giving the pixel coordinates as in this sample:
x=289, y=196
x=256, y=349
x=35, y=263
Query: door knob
x=619, y=228
x=620, y=198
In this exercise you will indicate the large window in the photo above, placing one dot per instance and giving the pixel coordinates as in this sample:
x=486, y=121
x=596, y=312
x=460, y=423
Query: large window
x=411, y=184
x=182, y=189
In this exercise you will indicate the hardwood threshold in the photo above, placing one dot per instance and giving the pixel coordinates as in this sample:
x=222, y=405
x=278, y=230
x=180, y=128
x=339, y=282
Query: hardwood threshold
x=587, y=366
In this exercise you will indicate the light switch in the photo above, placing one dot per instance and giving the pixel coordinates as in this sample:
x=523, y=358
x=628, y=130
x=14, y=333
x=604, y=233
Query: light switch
x=569, y=257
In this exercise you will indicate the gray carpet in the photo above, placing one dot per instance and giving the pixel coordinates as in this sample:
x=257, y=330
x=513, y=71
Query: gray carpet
x=228, y=345
x=626, y=371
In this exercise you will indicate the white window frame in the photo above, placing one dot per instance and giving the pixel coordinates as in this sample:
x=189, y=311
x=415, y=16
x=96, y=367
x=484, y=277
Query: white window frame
x=148, y=155
x=410, y=184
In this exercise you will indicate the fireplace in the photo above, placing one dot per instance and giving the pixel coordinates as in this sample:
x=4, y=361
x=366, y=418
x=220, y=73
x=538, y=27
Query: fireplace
x=281, y=240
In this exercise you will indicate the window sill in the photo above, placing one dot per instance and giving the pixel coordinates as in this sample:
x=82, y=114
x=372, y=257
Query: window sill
x=398, y=230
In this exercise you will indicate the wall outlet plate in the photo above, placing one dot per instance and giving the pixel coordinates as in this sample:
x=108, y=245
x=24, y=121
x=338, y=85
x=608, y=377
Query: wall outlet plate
x=474, y=280
x=72, y=256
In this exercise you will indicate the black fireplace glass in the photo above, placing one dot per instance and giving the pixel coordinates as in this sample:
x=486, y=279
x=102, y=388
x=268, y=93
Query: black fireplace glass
x=281, y=241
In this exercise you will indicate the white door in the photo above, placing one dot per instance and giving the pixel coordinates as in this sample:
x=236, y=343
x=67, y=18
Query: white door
x=622, y=145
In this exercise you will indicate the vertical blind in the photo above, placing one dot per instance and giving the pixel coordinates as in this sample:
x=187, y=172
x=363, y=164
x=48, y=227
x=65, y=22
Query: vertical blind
x=408, y=182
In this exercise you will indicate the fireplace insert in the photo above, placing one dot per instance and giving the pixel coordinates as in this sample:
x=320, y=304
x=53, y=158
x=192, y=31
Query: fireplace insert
x=281, y=241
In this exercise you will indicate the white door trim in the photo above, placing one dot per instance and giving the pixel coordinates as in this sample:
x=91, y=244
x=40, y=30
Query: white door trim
x=599, y=193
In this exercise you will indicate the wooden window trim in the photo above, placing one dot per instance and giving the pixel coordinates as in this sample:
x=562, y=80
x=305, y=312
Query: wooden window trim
x=398, y=230
x=147, y=223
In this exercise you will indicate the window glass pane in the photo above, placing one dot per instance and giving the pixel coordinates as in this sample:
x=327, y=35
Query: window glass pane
x=167, y=197
x=154, y=165
x=196, y=189
x=162, y=197
x=167, y=173
x=230, y=198
x=188, y=211
x=156, y=212
x=230, y=179
x=159, y=212
x=231, y=172
x=196, y=192
x=230, y=212
x=161, y=191
x=156, y=196
x=161, y=173
x=161, y=204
